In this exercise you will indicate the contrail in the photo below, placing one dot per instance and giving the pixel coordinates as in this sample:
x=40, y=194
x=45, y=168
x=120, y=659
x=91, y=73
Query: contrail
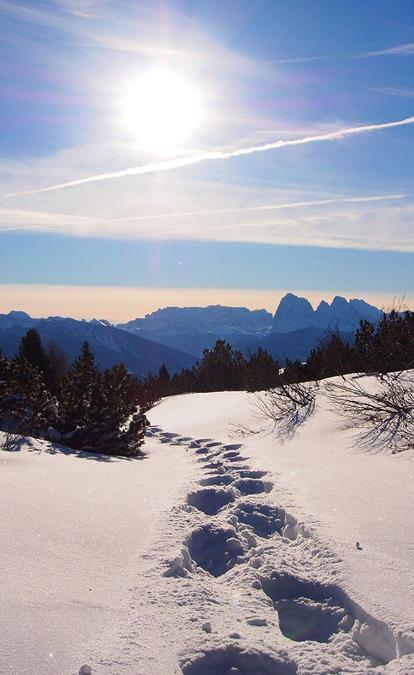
x=265, y=207
x=67, y=219
x=198, y=157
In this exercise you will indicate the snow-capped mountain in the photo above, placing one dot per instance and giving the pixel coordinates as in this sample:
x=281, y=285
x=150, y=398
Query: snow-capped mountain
x=294, y=313
x=110, y=344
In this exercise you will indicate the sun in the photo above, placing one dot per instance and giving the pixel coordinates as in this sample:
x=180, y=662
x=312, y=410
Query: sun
x=162, y=110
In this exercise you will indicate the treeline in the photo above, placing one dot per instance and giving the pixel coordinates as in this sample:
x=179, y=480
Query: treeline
x=78, y=405
x=220, y=369
x=385, y=347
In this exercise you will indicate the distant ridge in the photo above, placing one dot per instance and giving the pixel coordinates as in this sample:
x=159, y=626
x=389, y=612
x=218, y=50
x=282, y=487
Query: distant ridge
x=110, y=344
x=177, y=336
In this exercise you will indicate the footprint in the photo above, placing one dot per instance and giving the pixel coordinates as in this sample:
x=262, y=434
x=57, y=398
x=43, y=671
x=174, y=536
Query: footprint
x=210, y=500
x=226, y=660
x=307, y=610
x=220, y=479
x=231, y=453
x=252, y=474
x=263, y=519
x=215, y=549
x=213, y=465
x=237, y=468
x=252, y=486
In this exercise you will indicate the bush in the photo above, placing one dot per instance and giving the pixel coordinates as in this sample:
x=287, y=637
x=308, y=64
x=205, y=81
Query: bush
x=386, y=412
x=286, y=407
x=92, y=410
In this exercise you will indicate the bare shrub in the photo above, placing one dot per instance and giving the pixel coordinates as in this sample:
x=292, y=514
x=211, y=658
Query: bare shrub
x=386, y=412
x=9, y=442
x=286, y=407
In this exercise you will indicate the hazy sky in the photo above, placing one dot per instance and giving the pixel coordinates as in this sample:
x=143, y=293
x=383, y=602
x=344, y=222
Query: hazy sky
x=222, y=152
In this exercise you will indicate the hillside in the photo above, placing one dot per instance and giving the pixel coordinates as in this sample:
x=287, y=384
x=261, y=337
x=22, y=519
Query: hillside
x=286, y=553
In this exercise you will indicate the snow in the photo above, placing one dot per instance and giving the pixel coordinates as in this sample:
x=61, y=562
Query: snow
x=219, y=553
x=72, y=529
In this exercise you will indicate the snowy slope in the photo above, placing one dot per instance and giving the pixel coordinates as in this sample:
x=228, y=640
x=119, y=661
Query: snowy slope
x=216, y=555
x=328, y=494
x=349, y=493
x=72, y=527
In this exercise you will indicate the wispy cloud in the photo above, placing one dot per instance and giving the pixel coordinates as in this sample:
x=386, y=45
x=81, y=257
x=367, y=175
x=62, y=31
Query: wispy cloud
x=155, y=167
x=395, y=91
x=406, y=49
x=21, y=219
x=129, y=27
x=266, y=207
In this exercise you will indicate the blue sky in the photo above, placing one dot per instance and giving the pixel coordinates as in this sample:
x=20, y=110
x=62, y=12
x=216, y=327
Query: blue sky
x=333, y=213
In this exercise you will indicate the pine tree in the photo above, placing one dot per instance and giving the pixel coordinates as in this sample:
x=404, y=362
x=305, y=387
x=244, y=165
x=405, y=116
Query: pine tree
x=58, y=365
x=31, y=348
x=24, y=406
x=262, y=371
x=221, y=368
x=77, y=391
x=164, y=381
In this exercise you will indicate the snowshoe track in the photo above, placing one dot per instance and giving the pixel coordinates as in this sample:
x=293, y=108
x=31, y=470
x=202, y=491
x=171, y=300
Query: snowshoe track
x=251, y=543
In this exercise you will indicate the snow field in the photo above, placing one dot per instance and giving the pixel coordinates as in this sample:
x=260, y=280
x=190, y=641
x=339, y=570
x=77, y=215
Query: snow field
x=247, y=588
x=73, y=526
x=217, y=554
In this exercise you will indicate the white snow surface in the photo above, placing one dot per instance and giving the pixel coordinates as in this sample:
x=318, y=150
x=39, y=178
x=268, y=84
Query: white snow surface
x=217, y=554
x=72, y=529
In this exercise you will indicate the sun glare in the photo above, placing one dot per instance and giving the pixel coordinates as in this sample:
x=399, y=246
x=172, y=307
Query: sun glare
x=162, y=110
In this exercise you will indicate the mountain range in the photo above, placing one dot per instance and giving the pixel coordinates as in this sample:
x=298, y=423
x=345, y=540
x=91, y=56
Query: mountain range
x=177, y=336
x=110, y=345
x=195, y=328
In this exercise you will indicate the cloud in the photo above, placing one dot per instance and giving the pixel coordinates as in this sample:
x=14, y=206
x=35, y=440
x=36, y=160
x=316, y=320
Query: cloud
x=309, y=211
x=395, y=91
x=406, y=49
x=19, y=219
x=265, y=207
x=196, y=158
x=129, y=27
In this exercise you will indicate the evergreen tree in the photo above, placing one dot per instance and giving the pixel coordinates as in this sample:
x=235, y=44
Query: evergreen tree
x=220, y=369
x=25, y=400
x=262, y=371
x=31, y=348
x=58, y=365
x=78, y=389
x=164, y=381
x=333, y=356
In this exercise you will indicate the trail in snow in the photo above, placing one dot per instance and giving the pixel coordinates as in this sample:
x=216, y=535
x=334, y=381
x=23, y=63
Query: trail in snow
x=238, y=585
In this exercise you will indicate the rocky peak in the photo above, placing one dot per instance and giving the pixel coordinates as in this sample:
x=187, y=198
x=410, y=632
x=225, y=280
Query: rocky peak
x=296, y=313
x=293, y=313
